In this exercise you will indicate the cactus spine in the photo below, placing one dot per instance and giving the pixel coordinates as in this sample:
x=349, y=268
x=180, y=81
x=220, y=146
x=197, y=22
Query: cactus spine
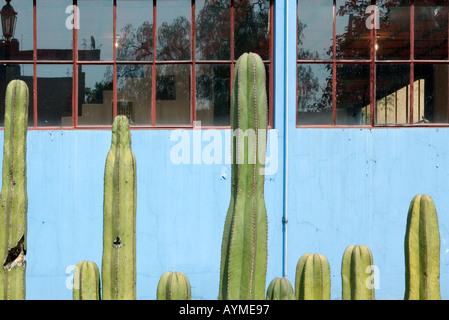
x=174, y=286
x=357, y=273
x=313, y=278
x=422, y=251
x=280, y=289
x=86, y=281
x=119, y=216
x=244, y=245
x=13, y=202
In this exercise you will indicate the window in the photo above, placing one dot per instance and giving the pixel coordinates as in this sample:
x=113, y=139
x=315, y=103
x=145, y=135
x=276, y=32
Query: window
x=372, y=63
x=163, y=63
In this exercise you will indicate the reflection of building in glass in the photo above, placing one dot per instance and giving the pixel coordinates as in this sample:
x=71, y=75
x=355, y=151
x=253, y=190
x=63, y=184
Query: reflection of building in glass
x=54, y=98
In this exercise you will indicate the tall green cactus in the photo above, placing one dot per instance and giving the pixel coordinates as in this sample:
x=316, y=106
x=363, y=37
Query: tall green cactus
x=174, y=286
x=119, y=216
x=357, y=273
x=244, y=245
x=14, y=202
x=86, y=281
x=313, y=278
x=422, y=251
x=280, y=289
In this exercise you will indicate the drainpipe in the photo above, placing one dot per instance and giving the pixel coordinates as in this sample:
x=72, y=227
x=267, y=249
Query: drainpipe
x=285, y=149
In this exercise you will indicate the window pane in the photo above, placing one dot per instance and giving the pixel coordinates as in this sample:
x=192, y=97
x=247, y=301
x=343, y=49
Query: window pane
x=353, y=94
x=252, y=27
x=173, y=30
x=134, y=93
x=314, y=94
x=353, y=37
x=11, y=72
x=213, y=30
x=54, y=95
x=95, y=95
x=393, y=36
x=392, y=94
x=54, y=39
x=430, y=100
x=134, y=30
x=213, y=95
x=20, y=47
x=315, y=29
x=95, y=34
x=431, y=30
x=173, y=94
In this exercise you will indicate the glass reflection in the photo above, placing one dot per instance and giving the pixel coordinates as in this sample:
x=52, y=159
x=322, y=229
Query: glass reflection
x=393, y=35
x=7, y=74
x=54, y=39
x=95, y=32
x=213, y=95
x=20, y=47
x=430, y=99
x=314, y=29
x=213, y=29
x=353, y=94
x=95, y=95
x=173, y=30
x=252, y=27
x=173, y=94
x=54, y=98
x=431, y=30
x=134, y=93
x=392, y=94
x=134, y=30
x=352, y=36
x=314, y=94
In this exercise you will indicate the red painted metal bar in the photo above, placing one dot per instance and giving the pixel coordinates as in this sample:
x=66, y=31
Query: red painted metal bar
x=114, y=58
x=412, y=57
x=373, y=74
x=34, y=65
x=153, y=76
x=193, y=57
x=271, y=67
x=334, y=63
x=232, y=46
x=75, y=67
x=296, y=66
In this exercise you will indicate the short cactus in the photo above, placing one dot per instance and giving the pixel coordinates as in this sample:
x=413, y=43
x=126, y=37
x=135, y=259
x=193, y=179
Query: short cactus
x=174, y=286
x=13, y=202
x=280, y=289
x=86, y=281
x=313, y=279
x=118, y=272
x=244, y=246
x=422, y=251
x=357, y=273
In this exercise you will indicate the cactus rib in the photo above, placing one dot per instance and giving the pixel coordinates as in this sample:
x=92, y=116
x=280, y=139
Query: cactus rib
x=422, y=251
x=119, y=227
x=14, y=202
x=244, y=246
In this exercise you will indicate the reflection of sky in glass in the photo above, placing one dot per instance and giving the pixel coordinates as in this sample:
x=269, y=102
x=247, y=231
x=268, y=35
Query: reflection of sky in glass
x=134, y=12
x=316, y=15
x=51, y=25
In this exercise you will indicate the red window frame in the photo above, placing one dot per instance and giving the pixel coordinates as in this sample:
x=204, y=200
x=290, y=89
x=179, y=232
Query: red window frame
x=373, y=63
x=192, y=62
